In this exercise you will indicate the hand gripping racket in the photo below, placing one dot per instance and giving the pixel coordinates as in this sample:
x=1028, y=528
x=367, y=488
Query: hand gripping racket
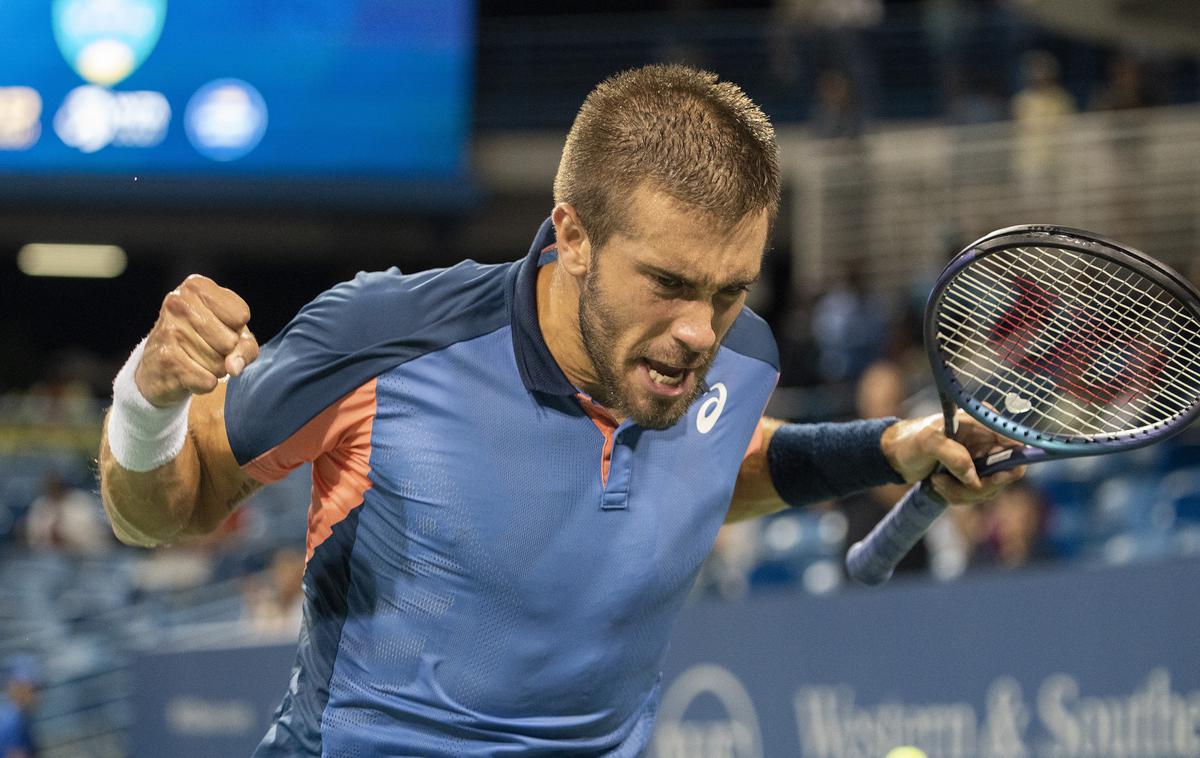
x=1058, y=338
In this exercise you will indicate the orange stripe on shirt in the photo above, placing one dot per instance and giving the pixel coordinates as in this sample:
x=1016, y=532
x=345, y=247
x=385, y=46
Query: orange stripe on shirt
x=607, y=425
x=338, y=442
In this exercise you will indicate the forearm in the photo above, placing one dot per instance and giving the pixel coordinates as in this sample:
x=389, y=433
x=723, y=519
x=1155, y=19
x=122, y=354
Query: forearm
x=152, y=507
x=188, y=495
x=800, y=464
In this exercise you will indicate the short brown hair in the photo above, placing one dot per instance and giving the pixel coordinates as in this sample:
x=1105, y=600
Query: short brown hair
x=678, y=129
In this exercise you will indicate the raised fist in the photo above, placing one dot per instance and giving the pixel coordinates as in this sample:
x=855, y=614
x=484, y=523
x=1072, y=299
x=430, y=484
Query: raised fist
x=200, y=337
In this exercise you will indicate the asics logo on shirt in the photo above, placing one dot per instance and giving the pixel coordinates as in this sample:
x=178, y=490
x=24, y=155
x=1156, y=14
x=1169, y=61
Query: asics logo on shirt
x=710, y=409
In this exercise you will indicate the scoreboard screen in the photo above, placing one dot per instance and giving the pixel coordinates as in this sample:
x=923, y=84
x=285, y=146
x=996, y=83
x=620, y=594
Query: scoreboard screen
x=235, y=100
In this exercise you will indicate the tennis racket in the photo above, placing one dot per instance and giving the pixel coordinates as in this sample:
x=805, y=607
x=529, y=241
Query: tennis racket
x=1066, y=341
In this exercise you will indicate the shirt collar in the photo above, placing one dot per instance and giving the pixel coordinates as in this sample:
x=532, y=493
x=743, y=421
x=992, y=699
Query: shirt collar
x=537, y=366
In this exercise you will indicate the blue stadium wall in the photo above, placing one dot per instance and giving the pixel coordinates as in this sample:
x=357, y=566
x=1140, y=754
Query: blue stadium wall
x=1063, y=663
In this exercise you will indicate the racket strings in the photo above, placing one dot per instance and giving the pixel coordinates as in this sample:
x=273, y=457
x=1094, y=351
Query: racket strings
x=1052, y=424
x=1030, y=307
x=1102, y=295
x=1057, y=414
x=1137, y=287
x=990, y=375
x=1104, y=298
x=1096, y=346
x=1122, y=412
x=1052, y=409
x=1051, y=343
x=1057, y=366
x=1064, y=348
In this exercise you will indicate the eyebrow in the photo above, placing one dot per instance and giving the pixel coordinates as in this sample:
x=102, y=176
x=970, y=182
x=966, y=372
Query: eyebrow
x=693, y=283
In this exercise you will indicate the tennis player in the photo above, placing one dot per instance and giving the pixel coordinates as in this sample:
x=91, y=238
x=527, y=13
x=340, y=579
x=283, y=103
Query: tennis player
x=517, y=468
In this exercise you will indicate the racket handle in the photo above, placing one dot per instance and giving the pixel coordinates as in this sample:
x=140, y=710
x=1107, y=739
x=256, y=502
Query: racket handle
x=872, y=560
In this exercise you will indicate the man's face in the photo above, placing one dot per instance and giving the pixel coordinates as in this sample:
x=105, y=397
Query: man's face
x=658, y=299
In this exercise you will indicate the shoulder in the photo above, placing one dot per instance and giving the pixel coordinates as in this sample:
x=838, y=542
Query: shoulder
x=750, y=336
x=352, y=333
x=381, y=306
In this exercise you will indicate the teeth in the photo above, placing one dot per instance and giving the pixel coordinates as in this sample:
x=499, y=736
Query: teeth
x=670, y=381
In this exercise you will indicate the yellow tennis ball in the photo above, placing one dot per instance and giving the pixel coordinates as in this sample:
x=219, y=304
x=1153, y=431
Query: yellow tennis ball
x=906, y=751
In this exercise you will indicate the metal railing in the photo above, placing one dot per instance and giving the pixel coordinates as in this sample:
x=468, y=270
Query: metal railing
x=898, y=203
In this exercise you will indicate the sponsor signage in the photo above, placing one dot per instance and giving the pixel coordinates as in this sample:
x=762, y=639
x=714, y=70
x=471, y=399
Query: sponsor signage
x=1071, y=663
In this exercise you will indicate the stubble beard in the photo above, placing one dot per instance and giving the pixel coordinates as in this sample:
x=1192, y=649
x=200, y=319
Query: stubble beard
x=596, y=318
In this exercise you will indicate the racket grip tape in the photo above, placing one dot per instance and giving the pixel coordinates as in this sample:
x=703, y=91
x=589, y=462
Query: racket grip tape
x=872, y=560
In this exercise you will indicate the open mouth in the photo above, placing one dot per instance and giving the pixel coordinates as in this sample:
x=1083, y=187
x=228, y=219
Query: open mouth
x=665, y=379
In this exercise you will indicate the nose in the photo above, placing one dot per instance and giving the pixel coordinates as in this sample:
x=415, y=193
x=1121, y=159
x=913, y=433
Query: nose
x=694, y=329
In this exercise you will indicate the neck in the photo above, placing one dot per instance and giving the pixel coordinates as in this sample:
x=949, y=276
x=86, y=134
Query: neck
x=558, y=318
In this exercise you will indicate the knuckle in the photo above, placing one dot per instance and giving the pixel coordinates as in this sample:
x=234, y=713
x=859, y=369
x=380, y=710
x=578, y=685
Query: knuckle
x=174, y=302
x=237, y=305
x=175, y=333
x=223, y=342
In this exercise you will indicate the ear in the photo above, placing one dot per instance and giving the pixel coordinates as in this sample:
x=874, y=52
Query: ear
x=574, y=249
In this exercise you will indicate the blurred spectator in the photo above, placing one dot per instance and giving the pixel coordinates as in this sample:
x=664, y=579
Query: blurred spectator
x=274, y=599
x=815, y=35
x=797, y=345
x=881, y=392
x=838, y=111
x=1126, y=87
x=66, y=520
x=1009, y=532
x=173, y=568
x=972, y=44
x=21, y=683
x=850, y=326
x=1041, y=111
x=1125, y=95
x=975, y=99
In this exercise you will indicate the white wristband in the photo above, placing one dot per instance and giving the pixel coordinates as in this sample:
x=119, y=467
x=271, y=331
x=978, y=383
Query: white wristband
x=143, y=436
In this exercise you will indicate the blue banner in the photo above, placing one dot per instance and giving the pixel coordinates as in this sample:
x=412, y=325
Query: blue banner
x=205, y=703
x=1071, y=663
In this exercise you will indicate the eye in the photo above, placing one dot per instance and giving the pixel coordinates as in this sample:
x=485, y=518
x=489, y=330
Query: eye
x=735, y=291
x=667, y=282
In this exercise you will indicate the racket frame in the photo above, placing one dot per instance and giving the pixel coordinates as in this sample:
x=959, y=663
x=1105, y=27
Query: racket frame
x=1039, y=445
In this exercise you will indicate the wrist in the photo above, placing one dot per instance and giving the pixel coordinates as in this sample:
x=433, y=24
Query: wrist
x=903, y=446
x=143, y=436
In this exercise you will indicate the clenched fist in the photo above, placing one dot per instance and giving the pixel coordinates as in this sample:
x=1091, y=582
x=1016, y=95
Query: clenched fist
x=200, y=337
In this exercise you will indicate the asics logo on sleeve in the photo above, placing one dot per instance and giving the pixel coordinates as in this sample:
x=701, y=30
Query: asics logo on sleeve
x=710, y=409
